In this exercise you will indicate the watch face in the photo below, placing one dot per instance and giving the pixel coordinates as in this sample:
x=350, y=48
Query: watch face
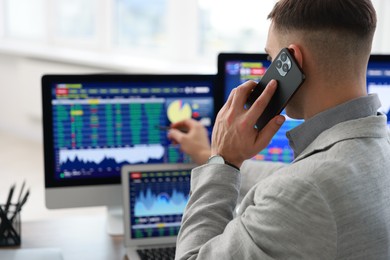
x=216, y=160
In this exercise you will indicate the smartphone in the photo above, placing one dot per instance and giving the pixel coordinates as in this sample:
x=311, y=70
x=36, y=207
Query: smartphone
x=286, y=71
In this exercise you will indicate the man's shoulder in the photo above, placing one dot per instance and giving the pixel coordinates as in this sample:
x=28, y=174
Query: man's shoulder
x=344, y=134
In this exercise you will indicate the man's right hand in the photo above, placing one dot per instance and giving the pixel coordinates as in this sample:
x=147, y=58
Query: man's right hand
x=234, y=136
x=194, y=141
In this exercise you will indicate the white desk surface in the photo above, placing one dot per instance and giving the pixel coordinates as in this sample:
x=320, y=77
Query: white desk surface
x=80, y=237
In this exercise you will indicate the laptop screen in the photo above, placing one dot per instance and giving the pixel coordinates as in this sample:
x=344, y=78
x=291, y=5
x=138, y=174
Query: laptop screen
x=157, y=200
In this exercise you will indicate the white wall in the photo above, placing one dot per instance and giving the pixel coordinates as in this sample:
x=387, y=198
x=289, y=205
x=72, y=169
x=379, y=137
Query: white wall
x=20, y=92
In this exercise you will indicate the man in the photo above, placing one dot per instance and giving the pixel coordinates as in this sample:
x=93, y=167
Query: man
x=333, y=200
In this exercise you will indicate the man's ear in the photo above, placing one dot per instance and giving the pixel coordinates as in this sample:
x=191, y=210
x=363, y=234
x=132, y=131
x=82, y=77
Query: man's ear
x=296, y=51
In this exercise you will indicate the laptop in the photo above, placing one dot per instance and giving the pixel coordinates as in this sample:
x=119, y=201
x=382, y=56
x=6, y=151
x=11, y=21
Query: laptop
x=154, y=197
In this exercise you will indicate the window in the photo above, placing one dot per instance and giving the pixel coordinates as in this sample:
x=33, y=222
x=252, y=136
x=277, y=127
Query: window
x=1, y=20
x=74, y=19
x=228, y=25
x=177, y=31
x=24, y=19
x=139, y=23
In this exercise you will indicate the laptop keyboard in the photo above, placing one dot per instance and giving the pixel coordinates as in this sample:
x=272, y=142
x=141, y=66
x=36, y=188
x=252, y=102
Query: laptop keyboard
x=166, y=253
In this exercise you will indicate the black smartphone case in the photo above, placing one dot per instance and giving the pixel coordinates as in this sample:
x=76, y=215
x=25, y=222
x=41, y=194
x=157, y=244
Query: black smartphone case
x=287, y=86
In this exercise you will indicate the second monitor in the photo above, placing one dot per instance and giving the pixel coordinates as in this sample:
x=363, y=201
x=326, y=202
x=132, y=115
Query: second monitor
x=237, y=68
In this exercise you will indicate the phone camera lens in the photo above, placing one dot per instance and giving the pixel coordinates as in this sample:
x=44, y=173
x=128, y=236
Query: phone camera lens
x=278, y=64
x=283, y=56
x=285, y=67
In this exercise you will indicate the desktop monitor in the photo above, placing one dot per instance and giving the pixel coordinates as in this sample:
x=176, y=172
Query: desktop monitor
x=94, y=124
x=236, y=68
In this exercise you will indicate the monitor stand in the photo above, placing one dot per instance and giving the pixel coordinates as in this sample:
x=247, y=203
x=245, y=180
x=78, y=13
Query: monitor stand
x=114, y=221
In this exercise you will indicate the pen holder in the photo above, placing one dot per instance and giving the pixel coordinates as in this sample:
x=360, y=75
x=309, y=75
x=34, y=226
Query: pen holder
x=10, y=230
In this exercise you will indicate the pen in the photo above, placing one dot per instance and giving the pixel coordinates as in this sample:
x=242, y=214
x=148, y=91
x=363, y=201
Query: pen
x=20, y=205
x=11, y=192
x=166, y=128
x=21, y=191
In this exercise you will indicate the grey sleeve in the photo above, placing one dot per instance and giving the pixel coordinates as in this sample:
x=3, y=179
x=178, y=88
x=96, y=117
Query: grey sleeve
x=288, y=219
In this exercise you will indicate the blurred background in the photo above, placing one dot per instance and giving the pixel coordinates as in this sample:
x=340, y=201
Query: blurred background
x=128, y=36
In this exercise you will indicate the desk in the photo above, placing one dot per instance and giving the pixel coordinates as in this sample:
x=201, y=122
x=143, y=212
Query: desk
x=80, y=237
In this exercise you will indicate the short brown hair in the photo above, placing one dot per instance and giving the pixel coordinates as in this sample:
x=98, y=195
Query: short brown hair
x=352, y=16
x=336, y=31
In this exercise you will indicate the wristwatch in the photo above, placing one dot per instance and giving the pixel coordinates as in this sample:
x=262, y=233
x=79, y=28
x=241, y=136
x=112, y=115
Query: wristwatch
x=217, y=159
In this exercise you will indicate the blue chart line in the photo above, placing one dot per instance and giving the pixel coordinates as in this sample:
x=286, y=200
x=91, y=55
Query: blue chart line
x=148, y=204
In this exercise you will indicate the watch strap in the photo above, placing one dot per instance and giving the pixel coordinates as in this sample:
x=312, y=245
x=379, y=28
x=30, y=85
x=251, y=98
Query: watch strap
x=221, y=161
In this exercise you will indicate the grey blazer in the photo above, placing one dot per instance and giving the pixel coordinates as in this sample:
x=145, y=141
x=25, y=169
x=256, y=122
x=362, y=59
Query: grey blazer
x=332, y=202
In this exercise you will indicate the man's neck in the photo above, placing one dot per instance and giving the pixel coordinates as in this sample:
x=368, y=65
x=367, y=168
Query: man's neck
x=326, y=96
